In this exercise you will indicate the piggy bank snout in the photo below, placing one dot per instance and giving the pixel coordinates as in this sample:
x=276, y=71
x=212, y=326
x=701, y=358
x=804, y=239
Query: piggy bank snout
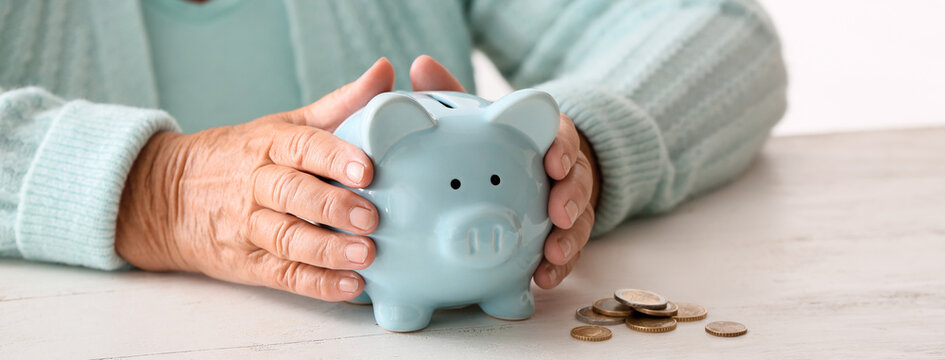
x=487, y=234
x=480, y=237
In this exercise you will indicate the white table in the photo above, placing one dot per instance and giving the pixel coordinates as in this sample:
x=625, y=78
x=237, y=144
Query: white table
x=830, y=245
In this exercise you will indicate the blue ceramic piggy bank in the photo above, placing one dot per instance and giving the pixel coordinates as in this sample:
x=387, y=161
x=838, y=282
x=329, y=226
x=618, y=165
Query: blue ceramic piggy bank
x=462, y=196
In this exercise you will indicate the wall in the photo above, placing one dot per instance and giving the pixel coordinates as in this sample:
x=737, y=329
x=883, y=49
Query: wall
x=854, y=64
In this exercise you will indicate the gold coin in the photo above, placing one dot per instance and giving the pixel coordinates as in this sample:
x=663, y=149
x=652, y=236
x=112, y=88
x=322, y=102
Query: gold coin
x=591, y=333
x=587, y=315
x=611, y=307
x=640, y=299
x=648, y=324
x=690, y=312
x=670, y=310
x=726, y=328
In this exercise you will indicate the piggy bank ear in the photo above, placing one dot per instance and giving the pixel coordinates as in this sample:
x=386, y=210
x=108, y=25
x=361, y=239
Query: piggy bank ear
x=532, y=112
x=390, y=117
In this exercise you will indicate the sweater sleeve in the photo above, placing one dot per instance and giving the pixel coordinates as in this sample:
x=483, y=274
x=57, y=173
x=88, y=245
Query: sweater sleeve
x=63, y=165
x=675, y=96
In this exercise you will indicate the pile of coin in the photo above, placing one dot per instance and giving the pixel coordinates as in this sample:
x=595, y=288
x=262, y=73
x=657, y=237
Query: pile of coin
x=644, y=311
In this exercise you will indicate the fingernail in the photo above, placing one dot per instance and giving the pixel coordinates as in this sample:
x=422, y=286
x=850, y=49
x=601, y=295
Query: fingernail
x=566, y=163
x=355, y=171
x=356, y=253
x=553, y=274
x=565, y=245
x=572, y=209
x=348, y=285
x=361, y=218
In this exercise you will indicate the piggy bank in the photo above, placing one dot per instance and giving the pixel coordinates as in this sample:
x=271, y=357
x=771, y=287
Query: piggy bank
x=462, y=199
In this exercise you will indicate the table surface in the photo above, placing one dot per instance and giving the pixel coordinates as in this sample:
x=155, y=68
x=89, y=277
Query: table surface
x=830, y=245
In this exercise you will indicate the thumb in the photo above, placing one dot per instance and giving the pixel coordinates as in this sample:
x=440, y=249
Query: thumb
x=426, y=74
x=329, y=111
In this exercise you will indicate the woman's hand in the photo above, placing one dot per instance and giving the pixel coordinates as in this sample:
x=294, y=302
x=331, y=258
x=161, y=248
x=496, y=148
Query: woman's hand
x=229, y=202
x=570, y=161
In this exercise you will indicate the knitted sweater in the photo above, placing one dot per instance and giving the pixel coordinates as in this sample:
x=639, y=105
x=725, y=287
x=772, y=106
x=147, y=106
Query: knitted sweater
x=675, y=96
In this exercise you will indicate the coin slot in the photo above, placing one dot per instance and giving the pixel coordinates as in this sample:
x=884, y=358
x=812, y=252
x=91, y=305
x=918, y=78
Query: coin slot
x=442, y=101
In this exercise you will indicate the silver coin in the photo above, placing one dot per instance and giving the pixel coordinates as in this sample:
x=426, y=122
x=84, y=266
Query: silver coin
x=588, y=316
x=636, y=298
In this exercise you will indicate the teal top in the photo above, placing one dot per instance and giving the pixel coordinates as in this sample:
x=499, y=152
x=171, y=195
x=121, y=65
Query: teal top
x=222, y=62
x=675, y=96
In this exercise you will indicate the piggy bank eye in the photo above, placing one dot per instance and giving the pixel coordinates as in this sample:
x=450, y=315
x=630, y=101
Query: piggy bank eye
x=455, y=184
x=495, y=179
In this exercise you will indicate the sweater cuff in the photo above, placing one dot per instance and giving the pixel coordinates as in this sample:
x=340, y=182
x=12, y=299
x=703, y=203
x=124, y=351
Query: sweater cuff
x=626, y=141
x=71, y=192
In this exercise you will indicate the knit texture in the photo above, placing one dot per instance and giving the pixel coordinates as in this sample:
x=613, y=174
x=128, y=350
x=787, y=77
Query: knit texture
x=67, y=199
x=675, y=96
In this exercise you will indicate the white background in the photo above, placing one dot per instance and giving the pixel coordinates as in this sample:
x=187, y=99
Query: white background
x=853, y=64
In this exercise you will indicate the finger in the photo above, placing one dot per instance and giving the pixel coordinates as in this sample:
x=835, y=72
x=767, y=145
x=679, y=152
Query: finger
x=321, y=153
x=303, y=279
x=550, y=275
x=290, y=238
x=329, y=111
x=564, y=150
x=562, y=244
x=286, y=190
x=426, y=74
x=570, y=196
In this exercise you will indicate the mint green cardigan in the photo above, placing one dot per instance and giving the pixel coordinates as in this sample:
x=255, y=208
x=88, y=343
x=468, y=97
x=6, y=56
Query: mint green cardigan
x=676, y=96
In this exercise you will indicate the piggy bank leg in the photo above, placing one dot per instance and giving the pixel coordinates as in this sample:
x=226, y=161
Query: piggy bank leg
x=363, y=299
x=401, y=317
x=512, y=305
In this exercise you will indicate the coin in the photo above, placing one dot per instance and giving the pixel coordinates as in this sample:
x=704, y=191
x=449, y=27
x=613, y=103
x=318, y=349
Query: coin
x=670, y=310
x=649, y=324
x=726, y=328
x=591, y=333
x=587, y=315
x=640, y=299
x=690, y=312
x=611, y=307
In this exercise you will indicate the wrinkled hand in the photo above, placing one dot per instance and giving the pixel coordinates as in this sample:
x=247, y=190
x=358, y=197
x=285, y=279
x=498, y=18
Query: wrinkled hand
x=229, y=202
x=569, y=161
